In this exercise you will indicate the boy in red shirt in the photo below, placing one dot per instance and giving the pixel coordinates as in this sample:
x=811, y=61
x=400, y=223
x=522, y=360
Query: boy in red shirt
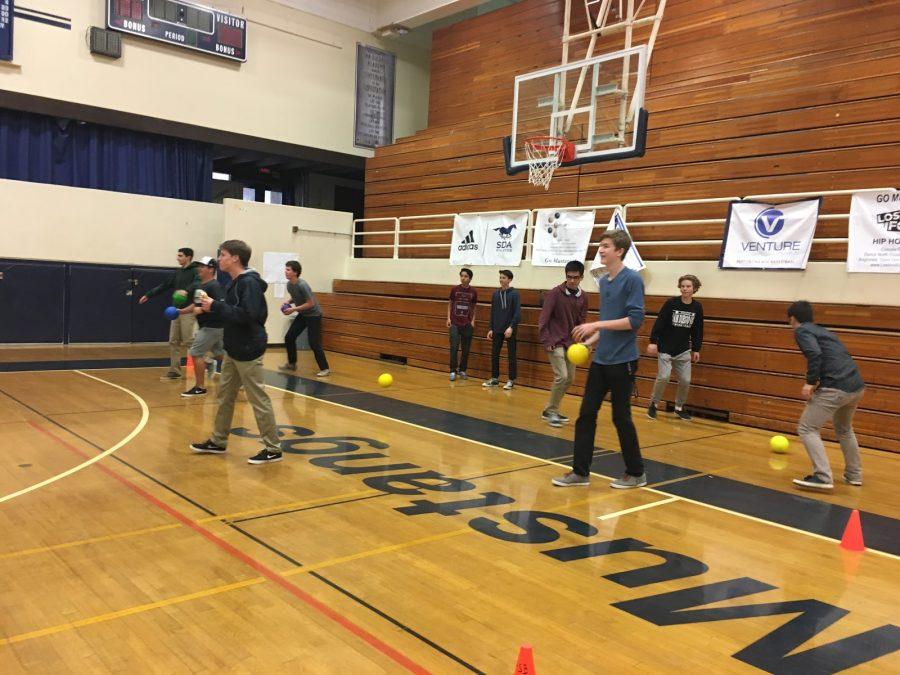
x=461, y=322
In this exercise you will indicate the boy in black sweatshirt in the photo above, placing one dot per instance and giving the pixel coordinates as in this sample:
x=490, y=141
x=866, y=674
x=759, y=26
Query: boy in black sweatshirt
x=506, y=312
x=676, y=339
x=244, y=313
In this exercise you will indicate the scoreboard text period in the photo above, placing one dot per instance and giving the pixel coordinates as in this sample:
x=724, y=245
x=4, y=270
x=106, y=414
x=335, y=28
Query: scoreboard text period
x=181, y=23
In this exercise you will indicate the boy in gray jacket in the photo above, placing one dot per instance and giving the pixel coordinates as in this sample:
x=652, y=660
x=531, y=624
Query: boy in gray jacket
x=833, y=389
x=506, y=312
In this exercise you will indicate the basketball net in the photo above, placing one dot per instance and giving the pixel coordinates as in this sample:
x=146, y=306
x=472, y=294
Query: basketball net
x=545, y=154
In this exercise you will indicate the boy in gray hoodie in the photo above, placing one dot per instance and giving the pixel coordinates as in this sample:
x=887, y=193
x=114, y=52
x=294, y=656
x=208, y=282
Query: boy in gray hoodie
x=506, y=312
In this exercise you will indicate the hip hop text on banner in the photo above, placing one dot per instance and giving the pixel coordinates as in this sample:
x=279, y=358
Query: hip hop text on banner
x=768, y=236
x=874, y=244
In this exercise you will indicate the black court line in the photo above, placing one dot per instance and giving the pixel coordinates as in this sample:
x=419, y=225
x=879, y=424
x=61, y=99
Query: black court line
x=797, y=511
x=384, y=615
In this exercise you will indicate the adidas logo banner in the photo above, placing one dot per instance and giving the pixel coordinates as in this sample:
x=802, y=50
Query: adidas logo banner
x=467, y=246
x=561, y=236
x=504, y=238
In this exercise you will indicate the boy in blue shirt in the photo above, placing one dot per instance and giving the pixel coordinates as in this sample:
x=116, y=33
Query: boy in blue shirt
x=613, y=367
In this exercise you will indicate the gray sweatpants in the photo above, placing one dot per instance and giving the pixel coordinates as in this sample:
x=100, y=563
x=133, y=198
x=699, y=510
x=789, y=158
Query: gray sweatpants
x=837, y=406
x=682, y=365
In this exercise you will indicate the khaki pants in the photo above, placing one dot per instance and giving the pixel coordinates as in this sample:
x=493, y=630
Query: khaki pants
x=181, y=334
x=563, y=374
x=837, y=406
x=248, y=374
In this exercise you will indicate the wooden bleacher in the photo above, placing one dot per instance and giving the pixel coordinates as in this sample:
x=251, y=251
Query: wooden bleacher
x=745, y=97
x=751, y=369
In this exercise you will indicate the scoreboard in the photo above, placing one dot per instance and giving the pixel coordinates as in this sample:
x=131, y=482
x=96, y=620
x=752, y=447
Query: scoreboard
x=181, y=23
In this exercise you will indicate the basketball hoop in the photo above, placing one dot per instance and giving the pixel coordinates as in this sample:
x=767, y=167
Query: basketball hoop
x=545, y=154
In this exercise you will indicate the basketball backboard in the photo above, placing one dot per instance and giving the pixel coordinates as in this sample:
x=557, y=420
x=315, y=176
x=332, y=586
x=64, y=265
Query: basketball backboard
x=597, y=104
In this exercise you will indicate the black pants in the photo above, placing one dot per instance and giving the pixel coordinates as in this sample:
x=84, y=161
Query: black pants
x=496, y=346
x=617, y=379
x=460, y=334
x=301, y=323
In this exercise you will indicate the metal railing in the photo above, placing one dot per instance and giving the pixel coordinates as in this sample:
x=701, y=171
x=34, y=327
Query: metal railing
x=396, y=231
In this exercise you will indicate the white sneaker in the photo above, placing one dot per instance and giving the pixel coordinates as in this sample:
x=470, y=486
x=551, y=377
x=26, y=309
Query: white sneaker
x=508, y=385
x=323, y=373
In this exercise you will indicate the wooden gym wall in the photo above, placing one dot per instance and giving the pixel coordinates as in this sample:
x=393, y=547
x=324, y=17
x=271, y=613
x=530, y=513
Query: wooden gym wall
x=745, y=97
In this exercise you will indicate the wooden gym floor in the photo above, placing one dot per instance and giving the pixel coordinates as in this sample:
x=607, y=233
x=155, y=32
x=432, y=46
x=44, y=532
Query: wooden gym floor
x=153, y=559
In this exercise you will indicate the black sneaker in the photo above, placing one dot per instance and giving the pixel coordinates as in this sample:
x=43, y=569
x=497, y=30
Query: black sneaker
x=193, y=391
x=207, y=447
x=813, y=482
x=265, y=456
x=171, y=375
x=683, y=415
x=651, y=411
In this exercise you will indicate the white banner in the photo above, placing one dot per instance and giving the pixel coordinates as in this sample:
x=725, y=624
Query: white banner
x=561, y=236
x=467, y=246
x=769, y=237
x=632, y=259
x=874, y=232
x=504, y=238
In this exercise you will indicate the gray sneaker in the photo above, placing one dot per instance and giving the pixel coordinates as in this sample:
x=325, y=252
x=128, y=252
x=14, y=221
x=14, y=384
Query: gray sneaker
x=288, y=366
x=453, y=376
x=462, y=375
x=493, y=382
x=554, y=420
x=546, y=415
x=171, y=375
x=572, y=479
x=852, y=481
x=628, y=481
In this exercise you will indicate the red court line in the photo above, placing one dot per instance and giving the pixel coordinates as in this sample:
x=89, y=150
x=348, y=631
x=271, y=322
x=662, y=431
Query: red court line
x=269, y=574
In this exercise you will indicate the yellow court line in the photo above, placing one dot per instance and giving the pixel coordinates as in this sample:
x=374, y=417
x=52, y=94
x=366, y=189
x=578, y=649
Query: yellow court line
x=224, y=516
x=43, y=632
x=216, y=590
x=145, y=416
x=551, y=462
x=376, y=551
x=92, y=540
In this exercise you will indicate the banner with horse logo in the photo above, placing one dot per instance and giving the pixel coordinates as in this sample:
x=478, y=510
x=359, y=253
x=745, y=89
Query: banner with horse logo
x=504, y=238
x=561, y=236
x=769, y=236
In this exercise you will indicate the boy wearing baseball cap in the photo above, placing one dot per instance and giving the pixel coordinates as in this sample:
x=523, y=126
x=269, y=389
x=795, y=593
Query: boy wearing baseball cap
x=208, y=337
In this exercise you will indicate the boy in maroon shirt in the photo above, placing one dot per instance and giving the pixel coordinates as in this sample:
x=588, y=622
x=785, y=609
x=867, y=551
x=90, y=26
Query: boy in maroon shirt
x=564, y=308
x=461, y=322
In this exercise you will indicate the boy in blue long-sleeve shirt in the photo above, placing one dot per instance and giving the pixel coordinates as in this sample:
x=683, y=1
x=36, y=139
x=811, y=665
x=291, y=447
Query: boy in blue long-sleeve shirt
x=613, y=367
x=506, y=312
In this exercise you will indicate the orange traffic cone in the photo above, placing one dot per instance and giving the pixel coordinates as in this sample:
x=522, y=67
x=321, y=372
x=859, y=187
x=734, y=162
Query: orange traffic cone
x=853, y=536
x=525, y=664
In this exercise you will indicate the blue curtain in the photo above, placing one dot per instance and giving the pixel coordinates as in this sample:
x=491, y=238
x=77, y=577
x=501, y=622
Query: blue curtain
x=45, y=149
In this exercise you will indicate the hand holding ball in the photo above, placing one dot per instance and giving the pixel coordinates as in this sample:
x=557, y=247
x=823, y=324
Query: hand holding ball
x=578, y=354
x=385, y=380
x=286, y=308
x=779, y=444
x=179, y=298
